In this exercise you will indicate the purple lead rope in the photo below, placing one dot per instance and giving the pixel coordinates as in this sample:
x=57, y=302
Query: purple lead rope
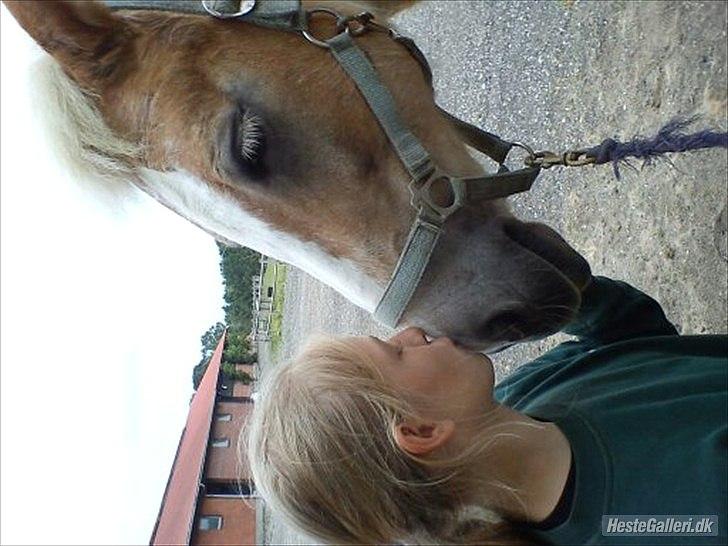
x=668, y=139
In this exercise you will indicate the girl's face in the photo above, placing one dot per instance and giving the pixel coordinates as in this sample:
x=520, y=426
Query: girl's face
x=442, y=380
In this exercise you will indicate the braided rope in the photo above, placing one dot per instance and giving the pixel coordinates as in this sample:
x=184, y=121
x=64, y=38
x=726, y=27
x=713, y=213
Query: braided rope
x=668, y=139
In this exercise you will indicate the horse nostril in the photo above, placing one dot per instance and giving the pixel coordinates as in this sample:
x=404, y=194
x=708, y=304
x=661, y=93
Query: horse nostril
x=548, y=245
x=528, y=237
x=509, y=325
x=509, y=317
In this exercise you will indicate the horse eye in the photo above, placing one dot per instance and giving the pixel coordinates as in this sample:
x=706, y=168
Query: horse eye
x=247, y=146
x=249, y=138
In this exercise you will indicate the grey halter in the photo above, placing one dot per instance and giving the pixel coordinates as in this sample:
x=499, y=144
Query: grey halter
x=431, y=215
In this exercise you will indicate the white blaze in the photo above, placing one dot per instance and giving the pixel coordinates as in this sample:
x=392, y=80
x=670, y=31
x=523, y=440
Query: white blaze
x=208, y=208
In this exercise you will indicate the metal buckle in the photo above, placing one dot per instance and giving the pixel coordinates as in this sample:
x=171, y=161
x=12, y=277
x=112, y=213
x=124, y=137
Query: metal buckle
x=246, y=6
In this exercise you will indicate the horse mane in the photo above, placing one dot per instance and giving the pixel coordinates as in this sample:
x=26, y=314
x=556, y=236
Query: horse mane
x=78, y=135
x=105, y=164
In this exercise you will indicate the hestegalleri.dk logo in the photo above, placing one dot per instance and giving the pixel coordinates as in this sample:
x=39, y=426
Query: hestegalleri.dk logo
x=632, y=525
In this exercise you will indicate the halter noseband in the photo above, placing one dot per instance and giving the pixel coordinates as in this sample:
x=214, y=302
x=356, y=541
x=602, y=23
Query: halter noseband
x=431, y=215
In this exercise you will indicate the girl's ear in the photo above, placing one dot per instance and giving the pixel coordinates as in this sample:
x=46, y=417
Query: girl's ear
x=421, y=438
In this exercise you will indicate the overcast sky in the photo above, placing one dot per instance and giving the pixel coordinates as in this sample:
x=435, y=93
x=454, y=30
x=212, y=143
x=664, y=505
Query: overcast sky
x=102, y=311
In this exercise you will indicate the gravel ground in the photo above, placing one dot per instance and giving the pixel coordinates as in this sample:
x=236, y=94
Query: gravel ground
x=568, y=74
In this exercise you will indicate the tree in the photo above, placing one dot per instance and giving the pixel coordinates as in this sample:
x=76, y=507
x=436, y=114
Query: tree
x=210, y=339
x=197, y=373
x=231, y=372
x=238, y=266
x=237, y=349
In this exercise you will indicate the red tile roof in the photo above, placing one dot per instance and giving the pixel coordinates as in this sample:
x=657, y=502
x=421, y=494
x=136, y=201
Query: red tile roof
x=177, y=512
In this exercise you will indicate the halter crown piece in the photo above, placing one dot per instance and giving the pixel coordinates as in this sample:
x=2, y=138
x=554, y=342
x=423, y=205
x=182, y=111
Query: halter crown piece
x=431, y=215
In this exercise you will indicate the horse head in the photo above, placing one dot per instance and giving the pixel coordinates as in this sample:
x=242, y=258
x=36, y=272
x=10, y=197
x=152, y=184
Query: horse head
x=262, y=140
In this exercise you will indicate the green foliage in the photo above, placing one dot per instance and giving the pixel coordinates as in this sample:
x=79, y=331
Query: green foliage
x=197, y=373
x=210, y=339
x=237, y=349
x=238, y=266
x=229, y=371
x=276, y=319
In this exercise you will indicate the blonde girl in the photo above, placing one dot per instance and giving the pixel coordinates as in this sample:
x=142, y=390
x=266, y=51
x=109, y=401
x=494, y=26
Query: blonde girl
x=364, y=441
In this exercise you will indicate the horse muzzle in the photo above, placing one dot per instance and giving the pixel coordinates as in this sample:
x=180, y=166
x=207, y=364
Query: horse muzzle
x=495, y=282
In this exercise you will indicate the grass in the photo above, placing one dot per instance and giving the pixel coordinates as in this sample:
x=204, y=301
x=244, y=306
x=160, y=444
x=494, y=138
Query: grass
x=269, y=277
x=276, y=321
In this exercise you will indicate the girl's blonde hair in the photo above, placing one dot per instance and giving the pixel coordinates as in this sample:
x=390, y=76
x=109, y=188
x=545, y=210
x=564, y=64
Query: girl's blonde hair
x=321, y=451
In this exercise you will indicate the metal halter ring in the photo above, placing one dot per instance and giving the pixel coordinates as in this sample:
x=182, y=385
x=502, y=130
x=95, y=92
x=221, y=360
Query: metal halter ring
x=246, y=6
x=527, y=148
x=310, y=37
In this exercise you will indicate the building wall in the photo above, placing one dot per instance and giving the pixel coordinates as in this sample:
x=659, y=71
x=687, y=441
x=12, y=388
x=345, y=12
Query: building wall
x=222, y=462
x=238, y=521
x=241, y=389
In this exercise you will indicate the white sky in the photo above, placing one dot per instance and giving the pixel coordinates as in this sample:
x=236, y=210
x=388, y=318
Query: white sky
x=102, y=311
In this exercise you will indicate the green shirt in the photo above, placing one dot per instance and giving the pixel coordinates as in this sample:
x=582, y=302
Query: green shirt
x=645, y=411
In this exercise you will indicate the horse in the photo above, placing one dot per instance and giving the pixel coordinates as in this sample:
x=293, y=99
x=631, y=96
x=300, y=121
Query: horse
x=260, y=139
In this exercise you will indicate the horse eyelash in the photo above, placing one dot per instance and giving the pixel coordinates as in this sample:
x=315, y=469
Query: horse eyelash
x=250, y=132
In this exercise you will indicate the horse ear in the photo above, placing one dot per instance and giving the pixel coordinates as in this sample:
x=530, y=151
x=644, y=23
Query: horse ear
x=385, y=9
x=84, y=37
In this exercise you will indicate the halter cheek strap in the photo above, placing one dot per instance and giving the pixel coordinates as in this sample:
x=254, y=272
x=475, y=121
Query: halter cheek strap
x=425, y=174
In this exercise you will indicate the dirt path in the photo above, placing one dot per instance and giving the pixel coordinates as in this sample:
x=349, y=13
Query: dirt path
x=565, y=74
